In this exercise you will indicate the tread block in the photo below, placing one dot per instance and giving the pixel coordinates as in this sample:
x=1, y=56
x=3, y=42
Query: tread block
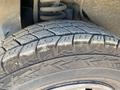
x=46, y=47
x=76, y=24
x=82, y=38
x=20, y=33
x=97, y=44
x=74, y=29
x=10, y=44
x=34, y=28
x=97, y=39
x=26, y=39
x=10, y=38
x=59, y=31
x=28, y=54
x=81, y=43
x=111, y=41
x=64, y=46
x=49, y=26
x=67, y=24
x=10, y=59
x=42, y=34
x=90, y=30
x=111, y=45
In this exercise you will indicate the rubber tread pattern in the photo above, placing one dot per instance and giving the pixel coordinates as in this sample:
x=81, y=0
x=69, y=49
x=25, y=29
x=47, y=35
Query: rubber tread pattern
x=57, y=65
x=54, y=39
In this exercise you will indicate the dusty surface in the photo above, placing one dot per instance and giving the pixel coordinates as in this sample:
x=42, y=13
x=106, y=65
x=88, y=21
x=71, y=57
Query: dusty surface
x=103, y=12
x=9, y=17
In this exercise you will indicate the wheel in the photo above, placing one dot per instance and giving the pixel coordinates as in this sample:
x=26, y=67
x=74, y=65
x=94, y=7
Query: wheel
x=60, y=55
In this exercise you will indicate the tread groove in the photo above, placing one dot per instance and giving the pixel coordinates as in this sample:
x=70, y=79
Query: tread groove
x=36, y=48
x=17, y=42
x=117, y=46
x=34, y=36
x=2, y=64
x=47, y=29
x=57, y=42
x=89, y=42
x=4, y=49
x=104, y=39
x=50, y=31
x=73, y=40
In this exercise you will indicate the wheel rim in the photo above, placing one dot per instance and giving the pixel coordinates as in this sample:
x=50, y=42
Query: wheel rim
x=84, y=85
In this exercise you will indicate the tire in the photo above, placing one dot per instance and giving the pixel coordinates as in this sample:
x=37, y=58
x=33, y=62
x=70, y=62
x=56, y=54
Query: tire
x=60, y=53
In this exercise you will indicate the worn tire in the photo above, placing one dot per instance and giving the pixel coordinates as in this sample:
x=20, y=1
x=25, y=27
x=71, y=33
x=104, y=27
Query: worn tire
x=49, y=54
